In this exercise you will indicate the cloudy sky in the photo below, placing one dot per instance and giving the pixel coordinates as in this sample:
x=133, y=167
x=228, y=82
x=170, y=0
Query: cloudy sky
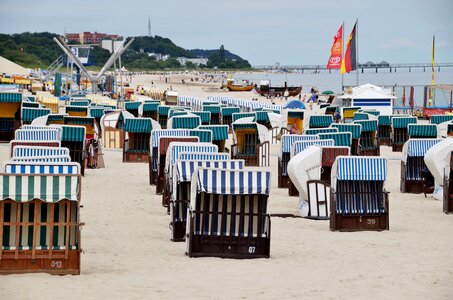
x=291, y=32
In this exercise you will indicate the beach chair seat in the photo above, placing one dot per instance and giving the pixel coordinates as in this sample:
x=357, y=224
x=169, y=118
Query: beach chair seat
x=163, y=144
x=40, y=227
x=137, y=139
x=229, y=218
x=413, y=163
x=251, y=143
x=384, y=130
x=399, y=131
x=358, y=198
x=180, y=197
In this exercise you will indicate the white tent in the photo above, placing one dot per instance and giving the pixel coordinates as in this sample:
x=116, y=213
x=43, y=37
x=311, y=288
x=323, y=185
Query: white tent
x=369, y=96
x=10, y=68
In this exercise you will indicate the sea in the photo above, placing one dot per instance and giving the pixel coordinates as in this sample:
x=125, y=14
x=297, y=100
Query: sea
x=401, y=80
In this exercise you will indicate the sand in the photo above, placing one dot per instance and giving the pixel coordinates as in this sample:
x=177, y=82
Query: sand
x=128, y=253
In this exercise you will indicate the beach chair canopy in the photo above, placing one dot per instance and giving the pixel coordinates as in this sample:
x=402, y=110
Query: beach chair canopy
x=157, y=133
x=163, y=110
x=10, y=97
x=97, y=112
x=76, y=110
x=315, y=131
x=354, y=128
x=80, y=102
x=402, y=122
x=360, y=116
x=418, y=147
x=149, y=107
x=177, y=147
x=219, y=132
x=204, y=135
x=300, y=146
x=340, y=138
x=422, y=130
x=30, y=105
x=73, y=133
x=437, y=119
x=229, y=111
x=213, y=108
x=288, y=140
x=369, y=168
x=184, y=122
x=384, y=120
x=320, y=121
x=368, y=125
x=185, y=169
x=50, y=159
x=205, y=116
x=138, y=125
x=203, y=156
x=30, y=151
x=16, y=167
x=237, y=116
x=48, y=134
x=29, y=114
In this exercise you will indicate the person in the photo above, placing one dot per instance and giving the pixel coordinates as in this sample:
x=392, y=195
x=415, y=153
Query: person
x=142, y=91
x=286, y=94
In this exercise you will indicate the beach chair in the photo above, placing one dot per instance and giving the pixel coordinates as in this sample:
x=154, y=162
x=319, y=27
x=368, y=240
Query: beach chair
x=15, y=143
x=10, y=115
x=205, y=136
x=73, y=138
x=320, y=121
x=137, y=140
x=413, y=164
x=360, y=116
x=422, y=131
x=356, y=131
x=340, y=138
x=315, y=131
x=348, y=113
x=38, y=151
x=242, y=115
x=149, y=109
x=93, y=154
x=27, y=104
x=55, y=119
x=358, y=199
x=368, y=138
x=97, y=113
x=216, y=113
x=399, y=131
x=227, y=114
x=162, y=114
x=437, y=119
x=205, y=116
x=40, y=228
x=29, y=114
x=448, y=186
x=294, y=125
x=154, y=150
x=132, y=107
x=174, y=149
x=80, y=102
x=287, y=140
x=310, y=172
x=219, y=135
x=180, y=197
x=76, y=111
x=251, y=143
x=262, y=117
x=184, y=122
x=384, y=130
x=88, y=122
x=163, y=144
x=229, y=218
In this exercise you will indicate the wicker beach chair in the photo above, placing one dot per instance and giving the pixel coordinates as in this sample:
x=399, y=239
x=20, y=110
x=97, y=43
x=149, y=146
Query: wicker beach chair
x=356, y=131
x=229, y=218
x=348, y=113
x=216, y=113
x=132, y=108
x=162, y=115
x=368, y=138
x=10, y=115
x=137, y=139
x=227, y=115
x=384, y=130
x=320, y=121
x=251, y=143
x=77, y=111
x=399, y=131
x=73, y=138
x=358, y=198
x=219, y=135
x=205, y=116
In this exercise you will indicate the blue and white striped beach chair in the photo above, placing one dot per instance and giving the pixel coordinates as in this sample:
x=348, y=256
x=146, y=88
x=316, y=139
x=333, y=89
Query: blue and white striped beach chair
x=48, y=134
x=228, y=214
x=358, y=198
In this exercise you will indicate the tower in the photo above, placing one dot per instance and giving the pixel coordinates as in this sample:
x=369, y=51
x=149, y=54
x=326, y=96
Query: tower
x=149, y=26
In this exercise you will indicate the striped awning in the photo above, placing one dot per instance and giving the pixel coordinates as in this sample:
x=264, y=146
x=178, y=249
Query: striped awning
x=205, y=136
x=52, y=159
x=354, y=129
x=340, y=138
x=321, y=121
x=51, y=134
x=219, y=132
x=360, y=116
x=232, y=182
x=368, y=125
x=31, y=104
x=15, y=167
x=372, y=112
x=361, y=168
x=157, y=133
x=73, y=133
x=237, y=116
x=185, y=169
x=29, y=114
x=70, y=120
x=150, y=107
x=53, y=118
x=288, y=139
x=10, y=97
x=203, y=156
x=299, y=114
x=315, y=131
x=80, y=103
x=177, y=112
x=419, y=147
x=29, y=151
x=162, y=110
x=229, y=111
x=177, y=147
x=402, y=122
x=97, y=112
x=437, y=119
x=132, y=105
x=330, y=153
x=69, y=108
x=300, y=146
x=384, y=120
x=51, y=188
x=261, y=116
x=138, y=125
x=213, y=109
x=205, y=116
x=242, y=126
x=185, y=122
x=422, y=130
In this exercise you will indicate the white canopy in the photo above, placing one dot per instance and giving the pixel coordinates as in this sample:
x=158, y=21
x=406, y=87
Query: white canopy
x=437, y=158
x=11, y=68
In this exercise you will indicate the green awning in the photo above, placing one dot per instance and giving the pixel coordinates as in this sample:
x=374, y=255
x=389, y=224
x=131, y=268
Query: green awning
x=162, y=110
x=320, y=121
x=368, y=125
x=205, y=136
x=185, y=122
x=219, y=132
x=384, y=120
x=422, y=130
x=204, y=115
x=299, y=114
x=78, y=120
x=150, y=106
x=138, y=125
x=132, y=105
x=355, y=129
x=69, y=108
x=340, y=138
x=97, y=112
x=261, y=116
x=29, y=114
x=313, y=131
x=402, y=122
x=10, y=97
x=229, y=111
x=73, y=133
x=30, y=104
x=80, y=103
x=237, y=116
x=214, y=109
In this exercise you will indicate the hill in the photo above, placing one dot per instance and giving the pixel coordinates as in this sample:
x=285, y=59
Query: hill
x=34, y=50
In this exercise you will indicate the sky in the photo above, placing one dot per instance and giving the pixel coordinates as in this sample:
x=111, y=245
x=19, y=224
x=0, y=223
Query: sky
x=290, y=32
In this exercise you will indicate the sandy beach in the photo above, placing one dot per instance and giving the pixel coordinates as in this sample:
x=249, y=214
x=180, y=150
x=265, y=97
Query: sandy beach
x=128, y=253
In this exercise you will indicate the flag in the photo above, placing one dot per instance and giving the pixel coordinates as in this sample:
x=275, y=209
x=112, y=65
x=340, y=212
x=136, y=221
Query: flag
x=432, y=64
x=336, y=51
x=349, y=62
x=404, y=96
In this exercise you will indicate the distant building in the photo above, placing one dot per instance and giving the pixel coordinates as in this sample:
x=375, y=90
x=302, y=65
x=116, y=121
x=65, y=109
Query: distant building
x=383, y=64
x=91, y=38
x=159, y=56
x=195, y=61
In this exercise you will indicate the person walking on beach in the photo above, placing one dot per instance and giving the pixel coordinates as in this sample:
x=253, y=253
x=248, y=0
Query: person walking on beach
x=286, y=94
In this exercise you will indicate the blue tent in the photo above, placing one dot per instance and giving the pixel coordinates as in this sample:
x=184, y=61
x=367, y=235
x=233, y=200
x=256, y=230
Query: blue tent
x=295, y=104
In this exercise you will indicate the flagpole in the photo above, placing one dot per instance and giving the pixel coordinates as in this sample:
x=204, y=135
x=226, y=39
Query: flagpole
x=357, y=49
x=432, y=73
x=342, y=55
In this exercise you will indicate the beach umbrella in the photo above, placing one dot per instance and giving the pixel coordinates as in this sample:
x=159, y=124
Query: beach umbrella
x=404, y=96
x=327, y=93
x=295, y=104
x=411, y=98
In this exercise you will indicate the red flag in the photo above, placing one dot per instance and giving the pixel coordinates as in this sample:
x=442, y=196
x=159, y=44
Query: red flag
x=336, y=50
x=404, y=96
x=349, y=62
x=411, y=98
